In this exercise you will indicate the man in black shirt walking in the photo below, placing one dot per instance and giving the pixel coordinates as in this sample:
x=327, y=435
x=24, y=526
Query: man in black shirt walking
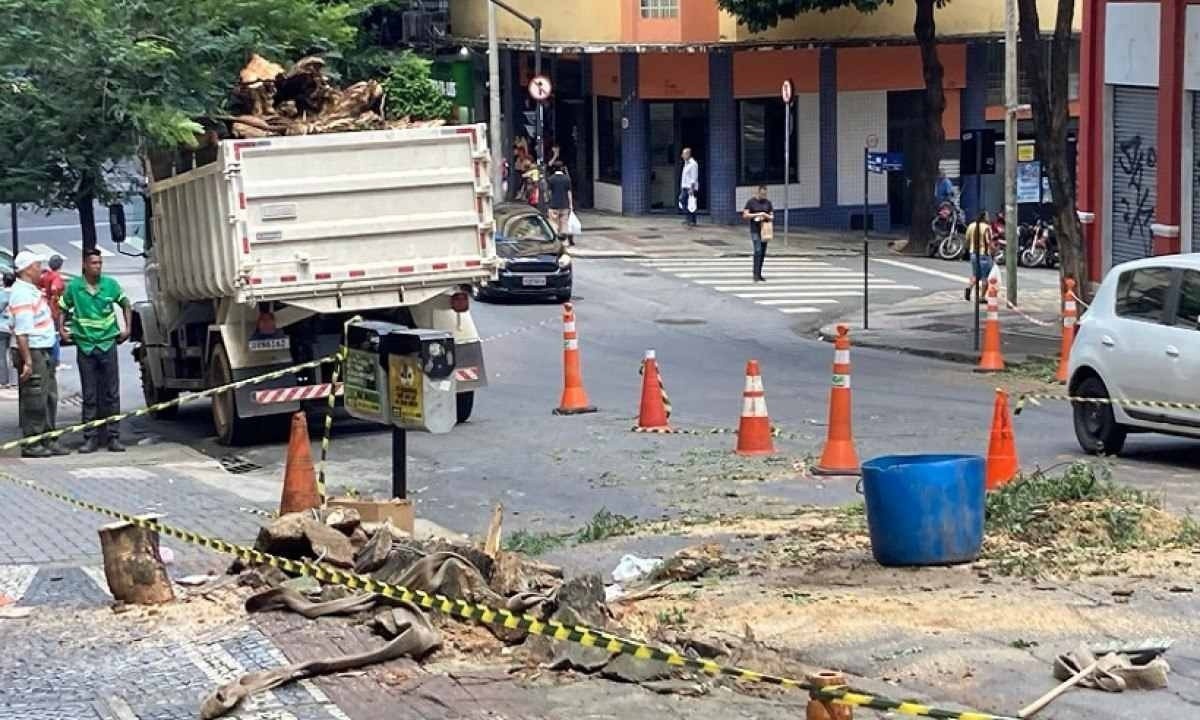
x=562, y=201
x=761, y=215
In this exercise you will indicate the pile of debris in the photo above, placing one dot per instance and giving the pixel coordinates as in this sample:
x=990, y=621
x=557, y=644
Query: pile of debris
x=301, y=100
x=460, y=570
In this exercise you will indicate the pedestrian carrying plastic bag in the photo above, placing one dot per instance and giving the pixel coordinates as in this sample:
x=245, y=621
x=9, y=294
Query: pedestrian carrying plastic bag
x=691, y=203
x=574, y=227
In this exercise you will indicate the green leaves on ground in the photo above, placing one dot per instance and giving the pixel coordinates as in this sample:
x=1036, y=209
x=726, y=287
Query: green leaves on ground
x=603, y=525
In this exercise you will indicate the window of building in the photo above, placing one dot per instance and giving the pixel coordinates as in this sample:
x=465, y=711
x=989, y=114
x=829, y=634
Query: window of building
x=1142, y=294
x=608, y=140
x=995, y=73
x=660, y=8
x=760, y=150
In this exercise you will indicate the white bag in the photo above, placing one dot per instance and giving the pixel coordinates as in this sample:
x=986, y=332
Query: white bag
x=574, y=227
x=692, y=202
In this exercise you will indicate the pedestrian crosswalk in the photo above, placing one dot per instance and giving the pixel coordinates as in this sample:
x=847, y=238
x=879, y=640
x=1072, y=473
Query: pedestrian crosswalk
x=796, y=286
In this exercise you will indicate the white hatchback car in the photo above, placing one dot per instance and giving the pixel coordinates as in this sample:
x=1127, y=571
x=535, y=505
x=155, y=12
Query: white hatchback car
x=1140, y=340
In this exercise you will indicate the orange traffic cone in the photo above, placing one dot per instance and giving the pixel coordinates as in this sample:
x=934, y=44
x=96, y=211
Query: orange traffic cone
x=299, y=477
x=1002, y=465
x=754, y=431
x=992, y=360
x=1070, y=313
x=653, y=415
x=574, y=397
x=840, y=456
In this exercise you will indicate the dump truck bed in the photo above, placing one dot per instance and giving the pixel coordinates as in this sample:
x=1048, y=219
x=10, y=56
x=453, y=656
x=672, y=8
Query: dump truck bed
x=312, y=220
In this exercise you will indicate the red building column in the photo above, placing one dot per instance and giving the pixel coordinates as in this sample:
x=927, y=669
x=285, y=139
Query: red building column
x=1170, y=126
x=1090, y=184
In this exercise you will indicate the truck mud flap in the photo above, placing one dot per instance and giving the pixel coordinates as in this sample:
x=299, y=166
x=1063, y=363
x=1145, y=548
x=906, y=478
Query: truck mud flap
x=248, y=406
x=469, y=369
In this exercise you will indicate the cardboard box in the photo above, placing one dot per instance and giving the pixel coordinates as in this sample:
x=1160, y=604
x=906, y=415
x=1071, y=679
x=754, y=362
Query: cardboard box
x=399, y=512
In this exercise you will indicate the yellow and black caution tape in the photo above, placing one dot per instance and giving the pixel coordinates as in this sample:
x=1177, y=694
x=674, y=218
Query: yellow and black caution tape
x=183, y=398
x=478, y=613
x=1036, y=398
x=776, y=432
x=328, y=434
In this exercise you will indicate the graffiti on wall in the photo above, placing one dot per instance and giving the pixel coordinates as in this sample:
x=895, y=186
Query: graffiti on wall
x=1132, y=193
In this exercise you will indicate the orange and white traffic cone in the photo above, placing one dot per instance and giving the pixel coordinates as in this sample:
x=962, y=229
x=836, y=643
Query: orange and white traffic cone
x=754, y=431
x=1002, y=464
x=299, y=476
x=1069, y=316
x=574, y=398
x=992, y=359
x=840, y=456
x=653, y=415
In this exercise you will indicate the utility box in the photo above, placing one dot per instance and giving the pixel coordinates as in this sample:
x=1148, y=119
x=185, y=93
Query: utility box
x=421, y=385
x=400, y=376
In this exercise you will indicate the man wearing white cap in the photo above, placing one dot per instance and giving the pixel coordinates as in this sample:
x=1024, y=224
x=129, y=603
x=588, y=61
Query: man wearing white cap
x=33, y=329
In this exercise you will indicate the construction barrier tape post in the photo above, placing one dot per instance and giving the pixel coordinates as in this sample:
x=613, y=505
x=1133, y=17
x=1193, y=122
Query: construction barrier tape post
x=183, y=398
x=1034, y=398
x=477, y=613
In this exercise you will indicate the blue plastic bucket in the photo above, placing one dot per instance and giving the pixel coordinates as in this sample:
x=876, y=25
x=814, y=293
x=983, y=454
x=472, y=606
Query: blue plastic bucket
x=924, y=509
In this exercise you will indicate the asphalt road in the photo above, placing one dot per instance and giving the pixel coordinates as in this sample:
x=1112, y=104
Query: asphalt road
x=556, y=472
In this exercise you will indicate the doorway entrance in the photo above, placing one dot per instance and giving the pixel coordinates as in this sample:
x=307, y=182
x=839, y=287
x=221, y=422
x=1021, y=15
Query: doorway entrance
x=674, y=126
x=573, y=133
x=905, y=133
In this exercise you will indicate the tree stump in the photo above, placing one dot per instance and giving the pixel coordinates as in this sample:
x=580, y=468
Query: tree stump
x=132, y=566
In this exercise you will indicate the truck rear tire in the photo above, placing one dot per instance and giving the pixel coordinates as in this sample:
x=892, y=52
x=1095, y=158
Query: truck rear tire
x=231, y=429
x=466, y=403
x=154, y=394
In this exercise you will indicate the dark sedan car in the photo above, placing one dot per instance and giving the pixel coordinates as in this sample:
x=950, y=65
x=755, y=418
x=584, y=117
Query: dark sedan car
x=536, y=263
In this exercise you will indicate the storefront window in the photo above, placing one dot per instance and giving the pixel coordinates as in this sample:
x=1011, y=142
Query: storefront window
x=608, y=131
x=760, y=156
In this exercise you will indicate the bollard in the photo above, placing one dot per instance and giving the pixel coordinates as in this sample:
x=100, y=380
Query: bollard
x=1069, y=315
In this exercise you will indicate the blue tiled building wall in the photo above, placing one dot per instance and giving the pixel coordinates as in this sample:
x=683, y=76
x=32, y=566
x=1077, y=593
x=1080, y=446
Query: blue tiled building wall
x=635, y=157
x=722, y=134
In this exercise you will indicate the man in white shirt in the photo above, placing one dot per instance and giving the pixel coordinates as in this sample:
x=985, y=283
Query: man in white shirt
x=689, y=185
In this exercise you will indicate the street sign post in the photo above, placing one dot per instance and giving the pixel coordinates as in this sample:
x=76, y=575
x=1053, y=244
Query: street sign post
x=786, y=93
x=878, y=163
x=540, y=89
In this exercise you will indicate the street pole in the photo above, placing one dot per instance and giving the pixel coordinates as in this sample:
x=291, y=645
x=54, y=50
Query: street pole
x=399, y=463
x=787, y=166
x=866, y=240
x=13, y=210
x=1010, y=144
x=536, y=22
x=979, y=203
x=495, y=127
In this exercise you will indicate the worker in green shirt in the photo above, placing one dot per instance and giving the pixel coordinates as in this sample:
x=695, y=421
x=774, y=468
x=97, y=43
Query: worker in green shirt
x=91, y=301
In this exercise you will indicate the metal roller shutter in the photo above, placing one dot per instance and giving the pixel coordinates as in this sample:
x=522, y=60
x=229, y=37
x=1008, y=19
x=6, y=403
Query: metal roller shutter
x=1196, y=172
x=1134, y=172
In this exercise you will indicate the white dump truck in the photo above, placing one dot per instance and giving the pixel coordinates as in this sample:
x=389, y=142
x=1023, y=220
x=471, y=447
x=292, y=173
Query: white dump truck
x=256, y=260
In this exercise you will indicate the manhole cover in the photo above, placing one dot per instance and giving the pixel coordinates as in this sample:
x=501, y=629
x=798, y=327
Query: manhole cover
x=650, y=237
x=681, y=321
x=910, y=313
x=237, y=465
x=637, y=273
x=940, y=327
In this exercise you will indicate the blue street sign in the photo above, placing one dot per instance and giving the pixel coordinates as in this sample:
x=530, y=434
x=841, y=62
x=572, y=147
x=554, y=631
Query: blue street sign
x=880, y=162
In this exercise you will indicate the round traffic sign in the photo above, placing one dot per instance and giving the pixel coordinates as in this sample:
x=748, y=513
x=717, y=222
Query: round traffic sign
x=540, y=88
x=786, y=91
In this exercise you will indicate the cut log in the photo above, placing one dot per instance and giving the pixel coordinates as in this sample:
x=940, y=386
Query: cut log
x=132, y=565
x=491, y=545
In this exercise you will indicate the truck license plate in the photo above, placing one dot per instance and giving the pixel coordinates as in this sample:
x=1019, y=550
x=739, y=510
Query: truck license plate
x=268, y=344
x=533, y=281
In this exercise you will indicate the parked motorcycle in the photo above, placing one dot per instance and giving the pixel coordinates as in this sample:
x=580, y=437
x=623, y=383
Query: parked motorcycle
x=1041, y=247
x=949, y=231
x=999, y=246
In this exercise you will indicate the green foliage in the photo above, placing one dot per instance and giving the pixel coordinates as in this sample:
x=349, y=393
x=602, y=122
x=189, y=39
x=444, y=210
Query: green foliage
x=535, y=543
x=758, y=15
x=605, y=524
x=410, y=92
x=1013, y=508
x=89, y=84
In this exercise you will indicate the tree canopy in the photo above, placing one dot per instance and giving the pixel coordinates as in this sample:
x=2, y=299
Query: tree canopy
x=758, y=15
x=86, y=84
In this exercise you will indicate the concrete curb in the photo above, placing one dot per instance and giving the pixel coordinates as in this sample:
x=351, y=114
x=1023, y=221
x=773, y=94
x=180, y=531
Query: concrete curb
x=828, y=333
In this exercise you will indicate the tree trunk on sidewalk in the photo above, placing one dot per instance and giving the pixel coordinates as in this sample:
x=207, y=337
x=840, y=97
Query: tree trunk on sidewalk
x=85, y=203
x=1051, y=116
x=132, y=565
x=929, y=150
